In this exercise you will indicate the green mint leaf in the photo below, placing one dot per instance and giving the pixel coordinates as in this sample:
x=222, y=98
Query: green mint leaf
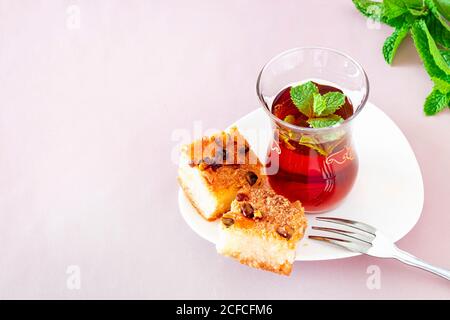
x=446, y=55
x=441, y=85
x=435, y=102
x=312, y=143
x=334, y=101
x=416, y=7
x=325, y=121
x=439, y=8
x=414, y=4
x=290, y=119
x=376, y=11
x=319, y=104
x=418, y=12
x=422, y=40
x=437, y=25
x=433, y=50
x=440, y=33
x=324, y=149
x=437, y=55
x=398, y=12
x=443, y=7
x=394, y=8
x=302, y=97
x=393, y=41
x=327, y=104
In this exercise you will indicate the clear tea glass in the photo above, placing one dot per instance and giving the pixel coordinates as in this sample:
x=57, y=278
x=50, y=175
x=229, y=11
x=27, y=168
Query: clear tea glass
x=317, y=166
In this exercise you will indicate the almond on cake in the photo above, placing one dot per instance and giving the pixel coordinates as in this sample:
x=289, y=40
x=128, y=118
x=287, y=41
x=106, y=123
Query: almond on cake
x=214, y=168
x=262, y=229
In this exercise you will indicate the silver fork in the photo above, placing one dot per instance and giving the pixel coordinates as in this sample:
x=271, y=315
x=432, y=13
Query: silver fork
x=366, y=239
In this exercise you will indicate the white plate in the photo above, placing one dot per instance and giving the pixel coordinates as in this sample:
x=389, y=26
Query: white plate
x=388, y=192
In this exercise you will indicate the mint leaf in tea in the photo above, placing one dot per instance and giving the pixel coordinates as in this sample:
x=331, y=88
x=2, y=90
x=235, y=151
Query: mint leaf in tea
x=312, y=105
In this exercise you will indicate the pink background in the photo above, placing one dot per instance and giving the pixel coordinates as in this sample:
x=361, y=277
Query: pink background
x=86, y=123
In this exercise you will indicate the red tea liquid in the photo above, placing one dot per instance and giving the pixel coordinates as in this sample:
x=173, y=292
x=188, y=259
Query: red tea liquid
x=319, y=181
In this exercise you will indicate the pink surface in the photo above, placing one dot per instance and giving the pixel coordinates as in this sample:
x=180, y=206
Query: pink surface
x=87, y=116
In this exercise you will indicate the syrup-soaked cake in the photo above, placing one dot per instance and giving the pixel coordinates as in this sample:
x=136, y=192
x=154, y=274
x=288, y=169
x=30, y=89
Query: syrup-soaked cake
x=213, y=169
x=262, y=229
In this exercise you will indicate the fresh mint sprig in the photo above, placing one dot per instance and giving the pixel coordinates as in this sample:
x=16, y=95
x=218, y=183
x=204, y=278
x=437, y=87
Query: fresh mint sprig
x=319, y=109
x=428, y=23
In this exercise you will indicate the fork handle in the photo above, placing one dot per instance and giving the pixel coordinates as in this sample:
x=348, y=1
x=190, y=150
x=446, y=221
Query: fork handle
x=411, y=260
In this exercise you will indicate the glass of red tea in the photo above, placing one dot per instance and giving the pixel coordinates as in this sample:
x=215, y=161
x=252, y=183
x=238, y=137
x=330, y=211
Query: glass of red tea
x=312, y=96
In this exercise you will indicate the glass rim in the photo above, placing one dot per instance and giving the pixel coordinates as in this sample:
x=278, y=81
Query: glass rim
x=306, y=129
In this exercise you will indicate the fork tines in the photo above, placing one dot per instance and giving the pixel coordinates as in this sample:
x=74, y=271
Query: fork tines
x=359, y=238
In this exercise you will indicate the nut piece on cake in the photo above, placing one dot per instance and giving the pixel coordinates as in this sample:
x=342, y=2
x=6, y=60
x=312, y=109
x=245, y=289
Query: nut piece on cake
x=213, y=169
x=262, y=230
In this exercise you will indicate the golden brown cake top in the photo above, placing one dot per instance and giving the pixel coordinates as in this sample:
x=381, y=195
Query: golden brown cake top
x=225, y=160
x=261, y=209
x=224, y=148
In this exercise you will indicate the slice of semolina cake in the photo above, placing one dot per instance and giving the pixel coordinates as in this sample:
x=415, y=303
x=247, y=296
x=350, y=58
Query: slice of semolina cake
x=262, y=229
x=214, y=168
